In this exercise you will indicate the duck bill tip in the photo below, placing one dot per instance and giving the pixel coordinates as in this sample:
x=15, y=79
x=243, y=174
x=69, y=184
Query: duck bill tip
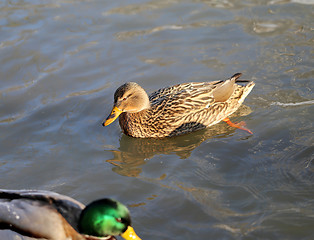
x=130, y=234
x=112, y=117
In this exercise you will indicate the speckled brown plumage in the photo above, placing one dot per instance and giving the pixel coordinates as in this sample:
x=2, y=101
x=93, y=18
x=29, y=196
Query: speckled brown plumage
x=179, y=109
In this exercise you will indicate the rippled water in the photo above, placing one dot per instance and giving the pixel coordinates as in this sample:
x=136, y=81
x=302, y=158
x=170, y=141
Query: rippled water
x=61, y=61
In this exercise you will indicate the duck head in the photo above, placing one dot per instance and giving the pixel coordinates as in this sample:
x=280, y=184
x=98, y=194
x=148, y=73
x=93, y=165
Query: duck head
x=107, y=217
x=130, y=98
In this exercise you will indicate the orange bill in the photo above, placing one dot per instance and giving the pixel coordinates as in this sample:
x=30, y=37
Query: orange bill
x=130, y=234
x=113, y=116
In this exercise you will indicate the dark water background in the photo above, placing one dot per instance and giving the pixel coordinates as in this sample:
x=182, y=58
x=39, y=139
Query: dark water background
x=61, y=61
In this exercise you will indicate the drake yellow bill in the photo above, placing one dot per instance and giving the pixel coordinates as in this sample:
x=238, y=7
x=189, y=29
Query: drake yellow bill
x=113, y=116
x=130, y=234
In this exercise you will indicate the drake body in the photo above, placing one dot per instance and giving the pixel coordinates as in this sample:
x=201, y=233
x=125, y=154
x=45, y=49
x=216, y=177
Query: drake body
x=32, y=214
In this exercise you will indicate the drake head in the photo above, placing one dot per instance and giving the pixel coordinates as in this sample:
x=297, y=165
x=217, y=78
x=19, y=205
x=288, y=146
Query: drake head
x=106, y=217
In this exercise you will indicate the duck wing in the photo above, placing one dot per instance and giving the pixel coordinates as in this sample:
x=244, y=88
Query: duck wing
x=189, y=98
x=39, y=214
x=224, y=89
x=179, y=99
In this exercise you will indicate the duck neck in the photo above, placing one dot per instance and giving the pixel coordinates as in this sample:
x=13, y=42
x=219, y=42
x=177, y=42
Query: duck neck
x=134, y=124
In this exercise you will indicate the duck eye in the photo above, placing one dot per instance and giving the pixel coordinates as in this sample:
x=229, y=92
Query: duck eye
x=118, y=219
x=126, y=97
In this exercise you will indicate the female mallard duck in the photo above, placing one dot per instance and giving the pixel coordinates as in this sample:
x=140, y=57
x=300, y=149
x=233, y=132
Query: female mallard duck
x=31, y=214
x=178, y=109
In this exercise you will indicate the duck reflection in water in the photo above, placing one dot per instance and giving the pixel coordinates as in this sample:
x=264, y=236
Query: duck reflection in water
x=134, y=152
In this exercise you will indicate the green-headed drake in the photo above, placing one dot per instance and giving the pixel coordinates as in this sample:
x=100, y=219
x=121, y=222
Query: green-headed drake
x=32, y=214
x=178, y=109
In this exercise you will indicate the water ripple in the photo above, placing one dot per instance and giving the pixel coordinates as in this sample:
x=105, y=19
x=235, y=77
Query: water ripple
x=310, y=102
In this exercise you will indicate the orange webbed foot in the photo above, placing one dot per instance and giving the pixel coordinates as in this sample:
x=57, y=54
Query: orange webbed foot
x=240, y=125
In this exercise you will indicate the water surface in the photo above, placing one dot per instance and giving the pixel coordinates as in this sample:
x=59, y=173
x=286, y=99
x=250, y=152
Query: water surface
x=61, y=61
